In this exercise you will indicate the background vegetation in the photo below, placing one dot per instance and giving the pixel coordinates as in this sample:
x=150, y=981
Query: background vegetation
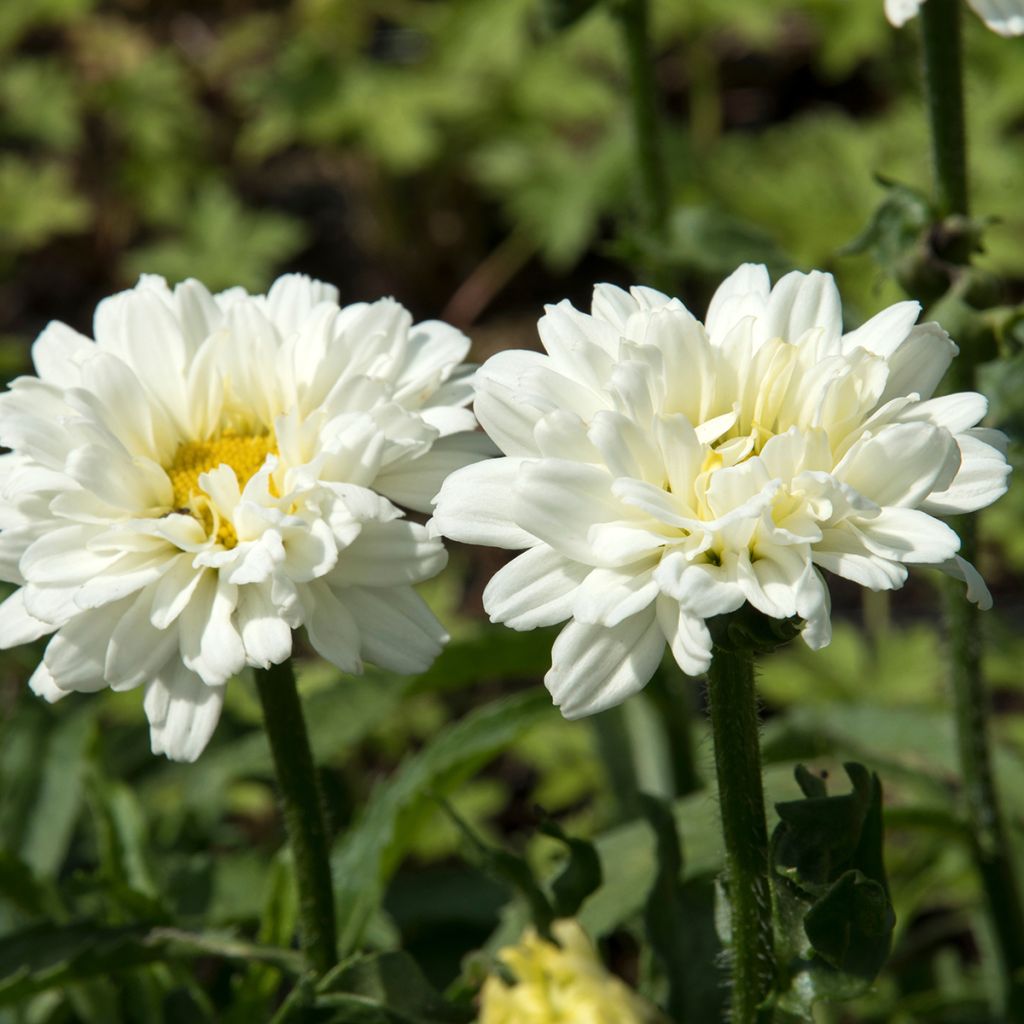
x=472, y=160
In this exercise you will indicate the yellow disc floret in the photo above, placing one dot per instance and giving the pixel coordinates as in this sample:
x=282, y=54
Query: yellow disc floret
x=244, y=453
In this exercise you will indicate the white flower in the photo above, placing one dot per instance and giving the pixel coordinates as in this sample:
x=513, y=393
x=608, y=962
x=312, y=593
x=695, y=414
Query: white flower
x=1003, y=16
x=659, y=471
x=215, y=471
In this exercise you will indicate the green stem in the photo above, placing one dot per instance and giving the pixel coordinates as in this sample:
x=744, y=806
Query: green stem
x=943, y=75
x=673, y=695
x=634, y=17
x=734, y=724
x=989, y=838
x=943, y=66
x=303, y=812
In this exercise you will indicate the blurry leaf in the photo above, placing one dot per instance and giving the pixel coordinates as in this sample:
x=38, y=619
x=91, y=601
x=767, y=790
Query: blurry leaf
x=581, y=874
x=896, y=225
x=709, y=241
x=48, y=956
x=37, y=201
x=121, y=834
x=560, y=14
x=223, y=243
x=664, y=927
x=39, y=101
x=57, y=797
x=370, y=850
x=388, y=988
x=254, y=992
x=17, y=19
x=1002, y=381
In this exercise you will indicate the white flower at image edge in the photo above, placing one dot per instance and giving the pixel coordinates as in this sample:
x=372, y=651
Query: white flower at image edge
x=1003, y=16
x=659, y=471
x=214, y=471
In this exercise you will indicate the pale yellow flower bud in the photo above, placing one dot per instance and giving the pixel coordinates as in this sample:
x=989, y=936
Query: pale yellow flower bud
x=560, y=984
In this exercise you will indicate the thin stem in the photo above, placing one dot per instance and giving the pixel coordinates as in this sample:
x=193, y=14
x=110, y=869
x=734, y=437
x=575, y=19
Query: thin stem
x=943, y=66
x=634, y=17
x=989, y=838
x=303, y=812
x=734, y=724
x=943, y=75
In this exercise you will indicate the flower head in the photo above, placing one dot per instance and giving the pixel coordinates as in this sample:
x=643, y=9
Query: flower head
x=660, y=471
x=560, y=983
x=214, y=471
x=1003, y=16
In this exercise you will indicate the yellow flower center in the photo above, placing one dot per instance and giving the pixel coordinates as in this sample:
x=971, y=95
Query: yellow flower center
x=244, y=453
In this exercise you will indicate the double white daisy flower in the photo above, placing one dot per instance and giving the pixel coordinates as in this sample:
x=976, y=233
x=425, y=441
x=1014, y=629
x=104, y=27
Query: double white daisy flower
x=660, y=471
x=214, y=471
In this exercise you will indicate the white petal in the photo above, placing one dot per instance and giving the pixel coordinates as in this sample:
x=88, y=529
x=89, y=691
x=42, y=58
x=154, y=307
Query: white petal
x=956, y=412
x=884, y=332
x=413, y=482
x=390, y=554
x=210, y=644
x=917, y=366
x=907, y=535
x=1003, y=16
x=983, y=477
x=503, y=405
x=899, y=12
x=42, y=685
x=626, y=448
x=331, y=627
x=137, y=650
x=58, y=354
x=800, y=303
x=266, y=636
x=977, y=591
x=475, y=506
x=687, y=634
x=292, y=298
x=843, y=551
x=594, y=668
x=397, y=630
x=902, y=465
x=16, y=625
x=77, y=653
x=607, y=596
x=703, y=590
x=742, y=294
x=535, y=589
x=183, y=711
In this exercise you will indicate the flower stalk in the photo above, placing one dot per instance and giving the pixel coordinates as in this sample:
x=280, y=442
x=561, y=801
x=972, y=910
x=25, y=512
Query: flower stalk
x=734, y=723
x=302, y=803
x=943, y=73
x=634, y=18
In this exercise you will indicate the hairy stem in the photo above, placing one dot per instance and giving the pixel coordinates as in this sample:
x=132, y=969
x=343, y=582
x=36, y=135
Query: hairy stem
x=943, y=78
x=634, y=17
x=943, y=66
x=303, y=809
x=734, y=723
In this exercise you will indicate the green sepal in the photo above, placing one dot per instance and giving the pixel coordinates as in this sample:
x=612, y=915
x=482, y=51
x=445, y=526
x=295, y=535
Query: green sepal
x=750, y=631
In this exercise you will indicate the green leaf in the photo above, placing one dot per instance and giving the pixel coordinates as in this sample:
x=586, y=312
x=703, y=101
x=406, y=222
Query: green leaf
x=372, y=847
x=388, y=988
x=835, y=919
x=510, y=869
x=581, y=874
